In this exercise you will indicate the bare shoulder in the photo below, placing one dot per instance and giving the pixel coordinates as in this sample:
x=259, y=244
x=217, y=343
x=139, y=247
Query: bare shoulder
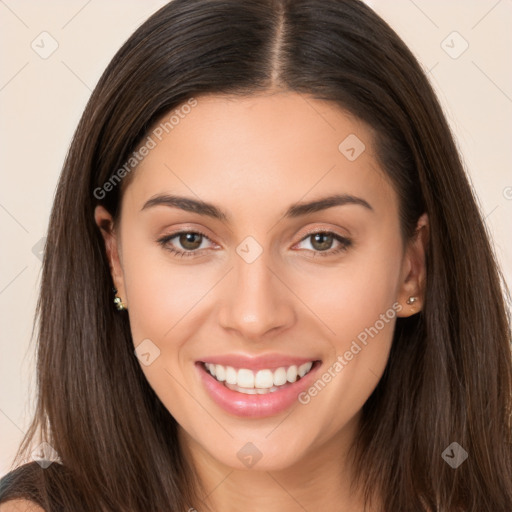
x=20, y=506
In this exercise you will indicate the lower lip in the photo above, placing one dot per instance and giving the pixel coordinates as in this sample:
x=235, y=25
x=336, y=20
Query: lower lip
x=255, y=406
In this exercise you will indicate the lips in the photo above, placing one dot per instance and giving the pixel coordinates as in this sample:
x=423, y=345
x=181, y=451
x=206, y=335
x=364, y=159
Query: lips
x=247, y=399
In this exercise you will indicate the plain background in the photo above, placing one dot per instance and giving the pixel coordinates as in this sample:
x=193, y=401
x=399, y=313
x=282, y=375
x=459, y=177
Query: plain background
x=41, y=101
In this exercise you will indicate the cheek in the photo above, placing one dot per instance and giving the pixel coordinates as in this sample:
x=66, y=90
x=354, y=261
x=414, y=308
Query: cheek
x=351, y=296
x=161, y=298
x=357, y=306
x=164, y=304
x=159, y=293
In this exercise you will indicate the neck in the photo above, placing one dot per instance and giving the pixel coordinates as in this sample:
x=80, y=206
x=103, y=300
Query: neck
x=319, y=480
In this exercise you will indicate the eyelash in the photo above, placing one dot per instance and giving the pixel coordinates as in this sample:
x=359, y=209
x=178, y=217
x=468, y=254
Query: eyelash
x=344, y=242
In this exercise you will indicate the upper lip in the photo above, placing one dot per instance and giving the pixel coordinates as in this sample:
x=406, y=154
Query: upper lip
x=269, y=361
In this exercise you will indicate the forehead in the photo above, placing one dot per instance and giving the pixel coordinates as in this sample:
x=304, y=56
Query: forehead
x=270, y=147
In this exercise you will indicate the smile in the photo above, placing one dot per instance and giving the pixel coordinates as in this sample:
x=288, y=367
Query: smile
x=260, y=382
x=270, y=386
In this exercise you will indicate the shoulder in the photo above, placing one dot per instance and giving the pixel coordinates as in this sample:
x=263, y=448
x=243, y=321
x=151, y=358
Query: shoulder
x=42, y=485
x=21, y=489
x=20, y=506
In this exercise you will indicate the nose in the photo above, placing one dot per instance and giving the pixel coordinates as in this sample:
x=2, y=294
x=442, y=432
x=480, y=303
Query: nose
x=256, y=303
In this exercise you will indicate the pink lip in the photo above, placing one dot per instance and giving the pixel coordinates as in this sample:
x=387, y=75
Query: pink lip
x=255, y=406
x=270, y=361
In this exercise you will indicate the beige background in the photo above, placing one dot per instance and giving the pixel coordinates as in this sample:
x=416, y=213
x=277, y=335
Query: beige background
x=41, y=100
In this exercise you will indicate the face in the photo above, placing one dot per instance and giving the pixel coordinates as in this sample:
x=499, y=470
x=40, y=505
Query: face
x=226, y=271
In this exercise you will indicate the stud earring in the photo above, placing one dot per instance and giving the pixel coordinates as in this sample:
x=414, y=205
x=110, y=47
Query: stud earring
x=411, y=300
x=120, y=305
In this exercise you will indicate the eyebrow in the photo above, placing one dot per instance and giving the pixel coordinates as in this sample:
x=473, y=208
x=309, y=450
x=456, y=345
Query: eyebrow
x=295, y=210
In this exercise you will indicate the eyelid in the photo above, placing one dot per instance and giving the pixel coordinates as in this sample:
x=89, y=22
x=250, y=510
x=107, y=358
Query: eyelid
x=344, y=243
x=165, y=238
x=325, y=229
x=185, y=229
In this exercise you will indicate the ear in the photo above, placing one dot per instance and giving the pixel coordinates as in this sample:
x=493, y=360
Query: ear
x=414, y=273
x=105, y=223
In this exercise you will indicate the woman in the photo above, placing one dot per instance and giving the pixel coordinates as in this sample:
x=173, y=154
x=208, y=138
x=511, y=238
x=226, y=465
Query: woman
x=267, y=285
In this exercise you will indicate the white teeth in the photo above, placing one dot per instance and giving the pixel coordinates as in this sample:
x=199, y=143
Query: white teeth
x=264, y=379
x=291, y=374
x=247, y=391
x=304, y=368
x=280, y=376
x=245, y=378
x=260, y=382
x=220, y=373
x=252, y=391
x=231, y=375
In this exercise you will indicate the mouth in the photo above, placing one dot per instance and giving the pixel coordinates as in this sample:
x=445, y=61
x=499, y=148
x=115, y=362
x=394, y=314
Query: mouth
x=250, y=382
x=260, y=391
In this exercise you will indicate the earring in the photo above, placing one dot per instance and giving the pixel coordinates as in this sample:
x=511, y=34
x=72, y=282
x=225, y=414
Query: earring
x=411, y=300
x=120, y=305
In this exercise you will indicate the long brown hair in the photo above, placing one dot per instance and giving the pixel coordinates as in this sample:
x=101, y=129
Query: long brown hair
x=449, y=374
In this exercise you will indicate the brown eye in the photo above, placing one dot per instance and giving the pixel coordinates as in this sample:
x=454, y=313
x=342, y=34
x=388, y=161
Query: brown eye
x=323, y=241
x=190, y=241
x=184, y=243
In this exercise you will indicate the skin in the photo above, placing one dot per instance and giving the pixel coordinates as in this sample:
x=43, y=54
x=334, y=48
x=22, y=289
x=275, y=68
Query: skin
x=253, y=157
x=20, y=506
